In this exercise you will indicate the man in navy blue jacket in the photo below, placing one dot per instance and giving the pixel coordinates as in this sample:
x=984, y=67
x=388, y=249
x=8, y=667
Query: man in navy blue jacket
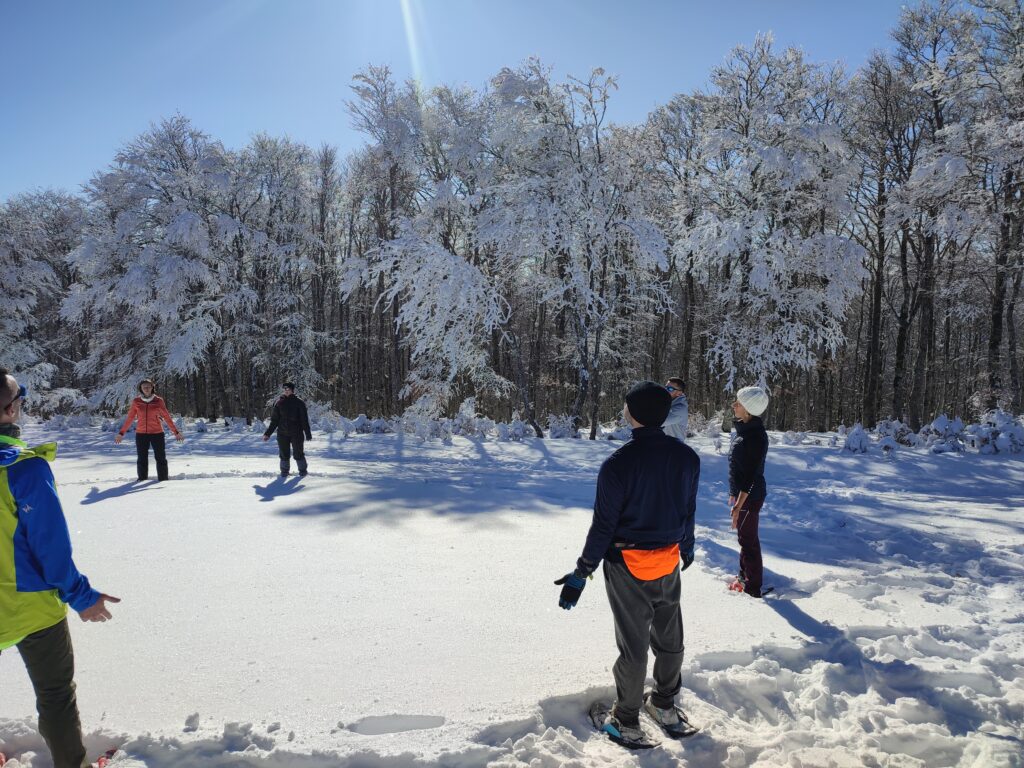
x=642, y=528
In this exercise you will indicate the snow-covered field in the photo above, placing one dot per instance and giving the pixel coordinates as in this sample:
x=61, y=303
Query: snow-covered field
x=396, y=608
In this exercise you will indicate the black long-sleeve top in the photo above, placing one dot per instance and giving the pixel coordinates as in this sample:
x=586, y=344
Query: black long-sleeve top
x=746, y=460
x=646, y=498
x=290, y=418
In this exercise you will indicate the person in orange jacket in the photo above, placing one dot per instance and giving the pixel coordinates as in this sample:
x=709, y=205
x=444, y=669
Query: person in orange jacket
x=150, y=410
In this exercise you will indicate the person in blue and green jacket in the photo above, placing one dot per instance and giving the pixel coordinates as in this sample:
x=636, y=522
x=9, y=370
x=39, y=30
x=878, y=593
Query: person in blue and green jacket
x=39, y=580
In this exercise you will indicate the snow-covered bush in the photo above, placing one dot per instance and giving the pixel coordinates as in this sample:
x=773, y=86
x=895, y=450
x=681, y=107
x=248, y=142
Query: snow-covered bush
x=468, y=423
x=514, y=431
x=201, y=426
x=998, y=432
x=888, y=445
x=897, y=430
x=943, y=435
x=857, y=440
x=561, y=427
x=258, y=426
x=109, y=425
x=794, y=438
x=70, y=421
x=323, y=417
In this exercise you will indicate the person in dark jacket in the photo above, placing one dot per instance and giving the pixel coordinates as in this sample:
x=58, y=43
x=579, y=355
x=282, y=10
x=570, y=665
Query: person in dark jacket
x=291, y=421
x=747, y=487
x=642, y=529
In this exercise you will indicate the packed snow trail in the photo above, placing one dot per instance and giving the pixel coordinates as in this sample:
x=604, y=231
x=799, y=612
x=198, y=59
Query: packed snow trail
x=396, y=609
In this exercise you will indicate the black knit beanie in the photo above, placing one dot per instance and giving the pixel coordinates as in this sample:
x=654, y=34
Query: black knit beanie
x=649, y=403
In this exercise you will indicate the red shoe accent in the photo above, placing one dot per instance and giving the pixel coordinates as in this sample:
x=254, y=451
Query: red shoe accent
x=3, y=758
x=736, y=586
x=104, y=761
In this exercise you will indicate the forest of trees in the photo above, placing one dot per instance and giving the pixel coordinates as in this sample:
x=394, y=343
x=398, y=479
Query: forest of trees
x=852, y=240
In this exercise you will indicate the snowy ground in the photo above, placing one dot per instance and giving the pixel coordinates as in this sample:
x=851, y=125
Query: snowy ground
x=396, y=609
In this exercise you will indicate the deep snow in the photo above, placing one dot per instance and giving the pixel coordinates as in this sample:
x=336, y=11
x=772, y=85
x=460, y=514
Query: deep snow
x=396, y=608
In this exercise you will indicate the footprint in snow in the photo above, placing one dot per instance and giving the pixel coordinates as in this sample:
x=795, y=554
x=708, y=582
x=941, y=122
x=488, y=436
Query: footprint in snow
x=377, y=725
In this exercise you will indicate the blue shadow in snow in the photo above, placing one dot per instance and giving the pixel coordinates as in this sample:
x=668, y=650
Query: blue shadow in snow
x=279, y=486
x=95, y=495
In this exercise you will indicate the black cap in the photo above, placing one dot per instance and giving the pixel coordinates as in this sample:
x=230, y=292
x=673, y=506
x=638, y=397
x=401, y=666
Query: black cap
x=649, y=403
x=289, y=385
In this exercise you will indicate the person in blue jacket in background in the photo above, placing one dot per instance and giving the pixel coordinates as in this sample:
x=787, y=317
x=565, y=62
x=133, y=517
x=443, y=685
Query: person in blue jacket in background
x=39, y=580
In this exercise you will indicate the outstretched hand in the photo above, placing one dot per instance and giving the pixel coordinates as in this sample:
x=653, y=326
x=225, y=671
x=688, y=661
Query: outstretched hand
x=572, y=587
x=118, y=438
x=98, y=610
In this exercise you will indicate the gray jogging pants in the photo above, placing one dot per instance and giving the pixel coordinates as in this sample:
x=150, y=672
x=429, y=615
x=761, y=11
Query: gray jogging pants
x=647, y=614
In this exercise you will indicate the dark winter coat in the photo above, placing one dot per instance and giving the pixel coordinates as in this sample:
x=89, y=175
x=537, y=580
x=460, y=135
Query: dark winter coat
x=646, y=498
x=746, y=460
x=289, y=418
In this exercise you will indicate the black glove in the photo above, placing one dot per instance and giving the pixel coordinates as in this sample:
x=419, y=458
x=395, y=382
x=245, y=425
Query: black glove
x=687, y=558
x=572, y=587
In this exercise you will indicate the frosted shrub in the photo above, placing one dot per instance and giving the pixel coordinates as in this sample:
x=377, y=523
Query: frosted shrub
x=323, y=417
x=485, y=427
x=201, y=426
x=621, y=431
x=794, y=438
x=360, y=424
x=71, y=421
x=998, y=432
x=179, y=424
x=897, y=430
x=561, y=427
x=514, y=431
x=110, y=426
x=258, y=426
x=943, y=435
x=888, y=445
x=857, y=440
x=465, y=421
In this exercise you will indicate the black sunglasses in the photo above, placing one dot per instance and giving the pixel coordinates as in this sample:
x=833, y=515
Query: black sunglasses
x=22, y=393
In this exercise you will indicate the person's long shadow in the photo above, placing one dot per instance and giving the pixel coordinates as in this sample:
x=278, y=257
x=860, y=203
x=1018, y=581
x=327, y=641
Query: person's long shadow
x=279, y=486
x=95, y=495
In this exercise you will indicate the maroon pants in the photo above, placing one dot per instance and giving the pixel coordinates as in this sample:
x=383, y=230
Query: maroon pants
x=751, y=569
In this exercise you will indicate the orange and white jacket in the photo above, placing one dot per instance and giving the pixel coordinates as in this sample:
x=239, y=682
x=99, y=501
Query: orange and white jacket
x=149, y=416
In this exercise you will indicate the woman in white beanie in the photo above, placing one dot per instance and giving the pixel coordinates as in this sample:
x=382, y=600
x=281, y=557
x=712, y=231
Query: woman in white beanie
x=747, y=488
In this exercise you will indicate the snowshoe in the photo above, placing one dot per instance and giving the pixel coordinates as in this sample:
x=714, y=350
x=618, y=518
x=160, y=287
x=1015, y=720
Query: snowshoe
x=736, y=586
x=106, y=757
x=673, y=721
x=628, y=736
x=3, y=758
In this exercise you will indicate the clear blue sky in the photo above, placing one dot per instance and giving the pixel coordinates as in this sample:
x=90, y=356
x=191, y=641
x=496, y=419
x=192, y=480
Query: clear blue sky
x=79, y=78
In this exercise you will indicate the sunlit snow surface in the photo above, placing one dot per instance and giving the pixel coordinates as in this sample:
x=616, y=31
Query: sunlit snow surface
x=396, y=608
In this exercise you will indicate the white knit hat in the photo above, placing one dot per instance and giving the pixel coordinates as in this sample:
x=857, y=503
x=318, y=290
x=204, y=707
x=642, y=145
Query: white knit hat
x=754, y=399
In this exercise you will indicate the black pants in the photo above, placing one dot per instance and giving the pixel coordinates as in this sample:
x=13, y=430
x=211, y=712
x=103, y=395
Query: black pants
x=647, y=615
x=286, y=446
x=50, y=662
x=751, y=568
x=142, y=443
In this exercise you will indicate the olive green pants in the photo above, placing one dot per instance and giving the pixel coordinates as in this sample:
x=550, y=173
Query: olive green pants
x=50, y=662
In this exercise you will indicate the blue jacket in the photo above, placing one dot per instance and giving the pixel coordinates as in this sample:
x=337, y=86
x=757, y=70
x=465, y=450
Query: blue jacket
x=646, y=498
x=38, y=577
